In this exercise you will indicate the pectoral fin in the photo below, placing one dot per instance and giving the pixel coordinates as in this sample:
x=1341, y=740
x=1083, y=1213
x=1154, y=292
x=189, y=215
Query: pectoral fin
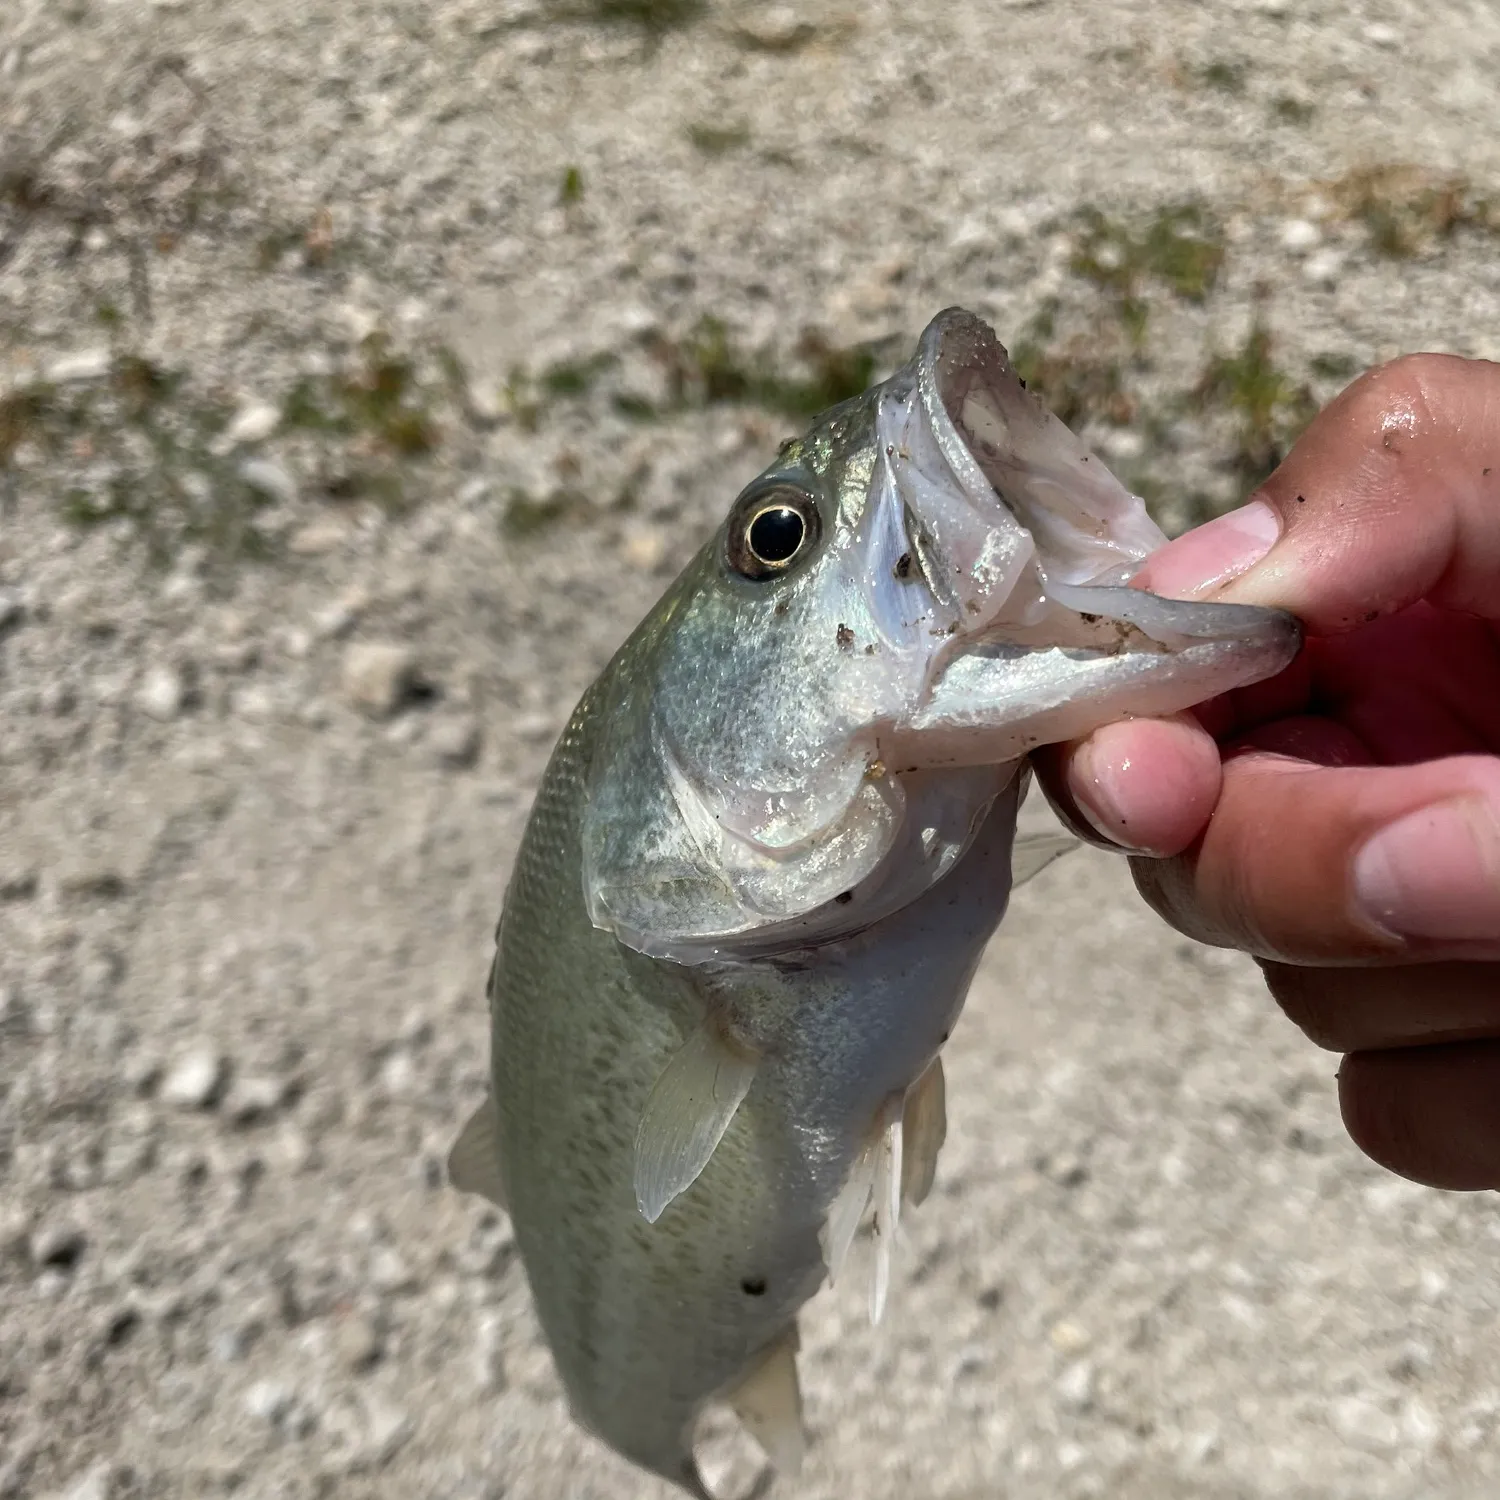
x=1033, y=852
x=769, y=1402
x=925, y=1127
x=686, y=1116
x=474, y=1161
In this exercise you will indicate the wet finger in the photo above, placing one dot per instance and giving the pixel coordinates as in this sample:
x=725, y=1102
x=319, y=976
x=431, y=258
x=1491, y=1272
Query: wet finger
x=1431, y=1113
x=1369, y=1009
x=1342, y=865
x=1147, y=785
x=1391, y=495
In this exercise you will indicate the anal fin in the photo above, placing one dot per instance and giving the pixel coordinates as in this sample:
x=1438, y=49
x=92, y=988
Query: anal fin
x=769, y=1402
x=848, y=1209
x=686, y=1116
x=888, y=1174
x=896, y=1165
x=925, y=1126
x=474, y=1161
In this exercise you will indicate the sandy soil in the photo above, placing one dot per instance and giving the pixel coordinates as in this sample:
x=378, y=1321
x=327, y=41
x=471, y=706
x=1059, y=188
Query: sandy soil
x=366, y=369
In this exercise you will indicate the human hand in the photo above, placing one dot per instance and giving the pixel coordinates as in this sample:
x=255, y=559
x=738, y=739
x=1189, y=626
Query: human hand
x=1342, y=821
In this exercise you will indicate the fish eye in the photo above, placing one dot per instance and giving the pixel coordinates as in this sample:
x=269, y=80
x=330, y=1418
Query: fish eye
x=769, y=530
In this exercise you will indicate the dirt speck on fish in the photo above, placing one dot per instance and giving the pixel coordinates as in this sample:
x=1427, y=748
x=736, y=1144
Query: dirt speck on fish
x=734, y=943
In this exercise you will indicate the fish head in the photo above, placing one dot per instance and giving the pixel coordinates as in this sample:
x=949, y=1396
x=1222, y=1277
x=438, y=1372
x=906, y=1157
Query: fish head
x=929, y=583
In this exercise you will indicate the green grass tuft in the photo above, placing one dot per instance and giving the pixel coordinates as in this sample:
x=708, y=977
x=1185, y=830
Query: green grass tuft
x=1269, y=406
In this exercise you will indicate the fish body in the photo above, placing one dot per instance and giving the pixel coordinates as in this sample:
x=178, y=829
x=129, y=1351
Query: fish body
x=764, y=861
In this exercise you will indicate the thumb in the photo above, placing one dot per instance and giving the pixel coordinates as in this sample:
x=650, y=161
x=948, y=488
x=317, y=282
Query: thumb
x=1391, y=495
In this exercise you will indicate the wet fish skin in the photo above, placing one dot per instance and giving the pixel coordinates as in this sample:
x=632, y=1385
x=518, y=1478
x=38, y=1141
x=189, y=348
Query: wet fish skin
x=778, y=832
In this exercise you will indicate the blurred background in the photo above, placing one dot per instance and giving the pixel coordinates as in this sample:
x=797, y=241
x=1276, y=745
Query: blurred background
x=367, y=367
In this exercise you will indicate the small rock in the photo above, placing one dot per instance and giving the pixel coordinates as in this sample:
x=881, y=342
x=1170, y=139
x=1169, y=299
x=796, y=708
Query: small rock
x=338, y=619
x=253, y=1099
x=1300, y=235
x=1420, y=1424
x=643, y=550
x=389, y=1273
x=534, y=726
x=91, y=877
x=455, y=742
x=489, y=1361
x=318, y=537
x=1069, y=1338
x=378, y=677
x=1362, y=1424
x=96, y=1484
x=162, y=693
x=775, y=28
x=269, y=479
x=253, y=423
x=58, y=1246
x=86, y=364
x=10, y=608
x=254, y=701
x=194, y=1080
x=18, y=881
x=270, y=1401
x=387, y=1428
x=1381, y=35
x=358, y=1342
x=1075, y=1387
x=1324, y=267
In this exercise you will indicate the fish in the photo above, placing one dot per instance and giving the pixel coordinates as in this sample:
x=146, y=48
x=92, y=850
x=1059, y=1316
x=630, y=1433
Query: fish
x=762, y=865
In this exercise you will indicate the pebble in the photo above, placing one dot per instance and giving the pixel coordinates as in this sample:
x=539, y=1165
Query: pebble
x=338, y=619
x=489, y=1362
x=10, y=608
x=1364, y=1425
x=194, y=1080
x=643, y=550
x=270, y=479
x=1300, y=234
x=455, y=742
x=270, y=1401
x=95, y=1484
x=58, y=1246
x=1324, y=267
x=253, y=423
x=776, y=28
x=18, y=882
x=255, y=1098
x=318, y=537
x=358, y=1343
x=1380, y=35
x=162, y=693
x=85, y=364
x=378, y=677
x=1075, y=1387
x=389, y=1273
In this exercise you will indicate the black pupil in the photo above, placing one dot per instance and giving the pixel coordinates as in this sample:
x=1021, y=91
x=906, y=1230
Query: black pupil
x=776, y=534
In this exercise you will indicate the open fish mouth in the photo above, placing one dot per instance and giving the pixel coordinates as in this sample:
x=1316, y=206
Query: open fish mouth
x=1027, y=543
x=964, y=599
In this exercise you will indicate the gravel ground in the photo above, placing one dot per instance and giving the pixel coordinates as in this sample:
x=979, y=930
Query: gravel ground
x=366, y=369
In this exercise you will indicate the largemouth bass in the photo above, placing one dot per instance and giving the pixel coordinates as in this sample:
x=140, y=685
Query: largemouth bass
x=765, y=859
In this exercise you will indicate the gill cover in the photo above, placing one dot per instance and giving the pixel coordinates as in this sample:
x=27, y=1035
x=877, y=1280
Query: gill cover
x=788, y=752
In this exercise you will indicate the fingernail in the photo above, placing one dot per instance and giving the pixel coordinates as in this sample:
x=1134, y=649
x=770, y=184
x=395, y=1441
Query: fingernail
x=1434, y=873
x=1209, y=556
x=1096, y=781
